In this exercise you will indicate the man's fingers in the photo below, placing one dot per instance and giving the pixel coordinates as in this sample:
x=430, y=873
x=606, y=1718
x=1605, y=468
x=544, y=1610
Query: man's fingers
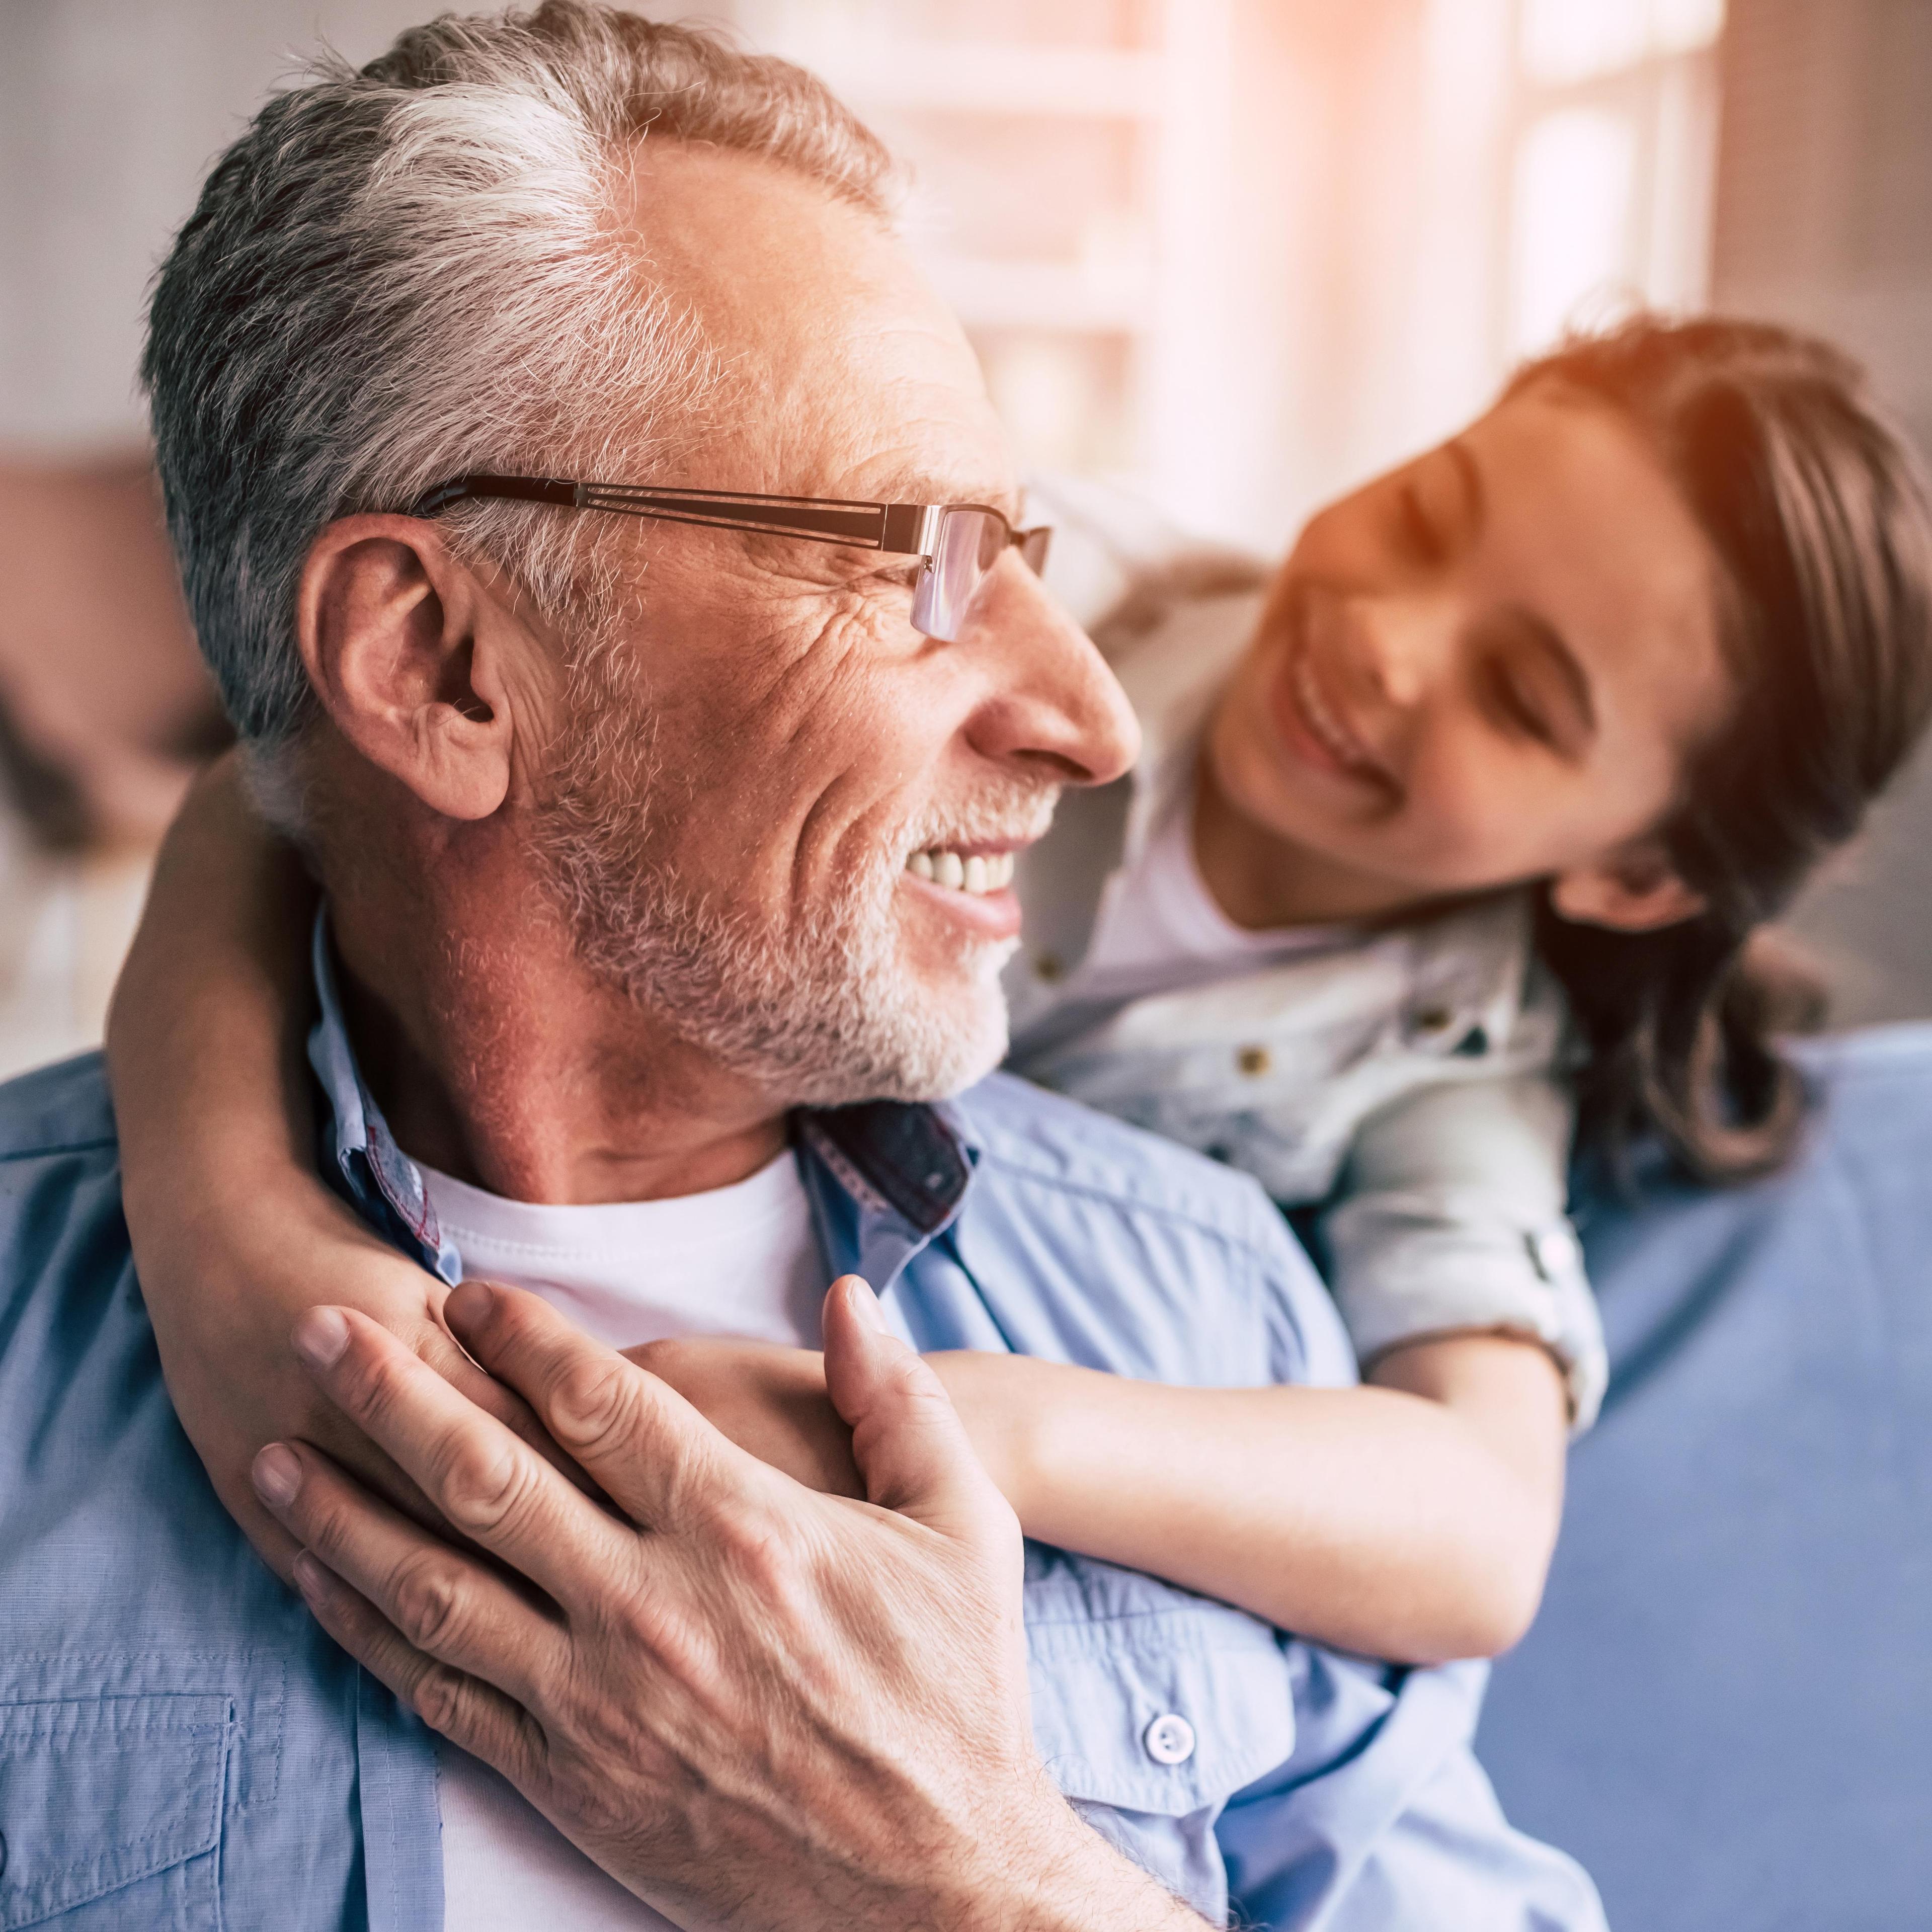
x=445, y=1355
x=487, y=1484
x=444, y=1601
x=474, y=1715
x=650, y=1450
x=907, y=1437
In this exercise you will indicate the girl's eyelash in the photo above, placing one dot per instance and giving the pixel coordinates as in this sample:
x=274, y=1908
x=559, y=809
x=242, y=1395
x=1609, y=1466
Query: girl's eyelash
x=1423, y=537
x=1519, y=709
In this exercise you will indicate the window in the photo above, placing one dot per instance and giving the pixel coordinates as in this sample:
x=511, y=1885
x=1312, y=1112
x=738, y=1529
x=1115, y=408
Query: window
x=1614, y=153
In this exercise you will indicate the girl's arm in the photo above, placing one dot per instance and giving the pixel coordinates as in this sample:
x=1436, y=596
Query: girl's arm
x=1413, y=1520
x=233, y=1233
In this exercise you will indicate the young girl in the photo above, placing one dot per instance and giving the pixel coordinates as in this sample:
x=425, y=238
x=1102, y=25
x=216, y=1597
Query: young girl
x=1466, y=819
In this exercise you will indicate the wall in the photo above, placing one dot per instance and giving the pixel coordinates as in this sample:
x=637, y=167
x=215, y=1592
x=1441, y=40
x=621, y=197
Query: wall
x=1824, y=219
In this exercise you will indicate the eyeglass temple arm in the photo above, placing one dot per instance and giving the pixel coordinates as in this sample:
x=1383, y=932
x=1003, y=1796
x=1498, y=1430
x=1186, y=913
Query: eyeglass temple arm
x=909, y=529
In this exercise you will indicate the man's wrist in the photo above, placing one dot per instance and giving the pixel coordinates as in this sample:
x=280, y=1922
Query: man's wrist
x=1054, y=1873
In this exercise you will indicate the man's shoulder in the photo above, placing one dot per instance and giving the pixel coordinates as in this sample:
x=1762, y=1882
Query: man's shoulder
x=1028, y=1131
x=60, y=1191
x=1096, y=1242
x=60, y=1109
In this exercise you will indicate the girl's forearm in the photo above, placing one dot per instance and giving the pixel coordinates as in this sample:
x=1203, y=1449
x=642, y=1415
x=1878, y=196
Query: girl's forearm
x=205, y=1035
x=234, y=1235
x=1377, y=1519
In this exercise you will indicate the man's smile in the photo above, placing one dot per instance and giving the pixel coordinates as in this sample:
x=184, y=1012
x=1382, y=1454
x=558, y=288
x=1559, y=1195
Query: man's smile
x=972, y=884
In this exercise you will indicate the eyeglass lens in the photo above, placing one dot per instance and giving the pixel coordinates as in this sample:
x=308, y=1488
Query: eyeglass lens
x=970, y=543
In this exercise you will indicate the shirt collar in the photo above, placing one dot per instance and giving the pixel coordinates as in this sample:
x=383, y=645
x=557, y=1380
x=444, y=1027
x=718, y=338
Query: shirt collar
x=886, y=1178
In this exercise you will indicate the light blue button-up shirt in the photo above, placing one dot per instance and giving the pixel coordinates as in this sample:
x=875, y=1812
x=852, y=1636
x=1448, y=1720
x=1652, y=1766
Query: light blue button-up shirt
x=182, y=1747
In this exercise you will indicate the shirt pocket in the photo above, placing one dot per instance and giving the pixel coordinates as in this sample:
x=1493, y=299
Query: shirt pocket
x=110, y=1811
x=1151, y=1709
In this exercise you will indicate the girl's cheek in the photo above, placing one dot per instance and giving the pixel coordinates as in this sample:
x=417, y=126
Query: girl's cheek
x=1479, y=816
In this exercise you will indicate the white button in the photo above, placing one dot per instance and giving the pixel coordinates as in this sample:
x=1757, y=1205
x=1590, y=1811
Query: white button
x=1169, y=1739
x=1555, y=1252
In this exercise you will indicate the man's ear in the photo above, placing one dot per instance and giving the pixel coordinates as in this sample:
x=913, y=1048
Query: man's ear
x=409, y=654
x=1635, y=890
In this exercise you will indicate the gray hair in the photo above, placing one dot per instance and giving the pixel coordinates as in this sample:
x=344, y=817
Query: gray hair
x=405, y=274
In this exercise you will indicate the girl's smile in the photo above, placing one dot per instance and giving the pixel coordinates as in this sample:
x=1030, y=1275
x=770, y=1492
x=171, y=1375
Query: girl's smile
x=1490, y=667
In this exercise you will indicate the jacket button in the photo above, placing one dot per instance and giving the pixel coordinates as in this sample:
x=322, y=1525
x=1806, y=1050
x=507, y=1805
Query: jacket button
x=1049, y=968
x=1434, y=1019
x=1254, y=1060
x=1169, y=1739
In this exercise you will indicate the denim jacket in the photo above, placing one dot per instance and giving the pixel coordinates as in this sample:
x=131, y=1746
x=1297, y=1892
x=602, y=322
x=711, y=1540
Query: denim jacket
x=182, y=1747
x=1407, y=1078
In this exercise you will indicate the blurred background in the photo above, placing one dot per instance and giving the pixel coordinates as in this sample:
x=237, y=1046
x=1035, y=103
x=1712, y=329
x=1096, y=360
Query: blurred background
x=1236, y=254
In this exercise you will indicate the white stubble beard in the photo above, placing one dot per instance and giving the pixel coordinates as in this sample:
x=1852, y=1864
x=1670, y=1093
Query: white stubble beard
x=824, y=1012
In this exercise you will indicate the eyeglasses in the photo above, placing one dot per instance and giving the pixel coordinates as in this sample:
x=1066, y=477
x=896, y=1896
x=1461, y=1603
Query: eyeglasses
x=959, y=543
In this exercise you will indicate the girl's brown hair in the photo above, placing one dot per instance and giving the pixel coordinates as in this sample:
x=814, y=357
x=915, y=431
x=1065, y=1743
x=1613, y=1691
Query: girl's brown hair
x=1820, y=516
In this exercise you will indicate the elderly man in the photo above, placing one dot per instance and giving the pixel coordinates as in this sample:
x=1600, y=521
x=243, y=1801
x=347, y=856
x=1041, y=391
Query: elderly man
x=614, y=817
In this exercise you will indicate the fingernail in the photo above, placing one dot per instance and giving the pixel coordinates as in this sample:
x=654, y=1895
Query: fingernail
x=865, y=1302
x=469, y=1303
x=277, y=1474
x=311, y=1579
x=320, y=1337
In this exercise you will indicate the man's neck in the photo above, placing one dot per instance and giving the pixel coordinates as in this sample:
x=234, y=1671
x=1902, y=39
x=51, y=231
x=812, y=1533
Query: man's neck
x=507, y=1066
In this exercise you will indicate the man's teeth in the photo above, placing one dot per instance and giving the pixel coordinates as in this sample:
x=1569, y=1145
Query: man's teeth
x=977, y=874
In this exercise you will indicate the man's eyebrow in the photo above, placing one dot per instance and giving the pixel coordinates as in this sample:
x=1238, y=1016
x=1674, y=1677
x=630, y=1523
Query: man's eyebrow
x=923, y=486
x=1568, y=665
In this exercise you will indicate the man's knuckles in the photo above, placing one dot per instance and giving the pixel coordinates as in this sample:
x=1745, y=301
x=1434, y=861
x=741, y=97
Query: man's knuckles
x=451, y=1705
x=594, y=1405
x=487, y=1485
x=430, y=1600
x=373, y=1380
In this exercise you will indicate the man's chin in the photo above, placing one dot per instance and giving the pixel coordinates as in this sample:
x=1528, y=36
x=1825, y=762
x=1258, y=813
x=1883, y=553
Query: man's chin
x=917, y=1043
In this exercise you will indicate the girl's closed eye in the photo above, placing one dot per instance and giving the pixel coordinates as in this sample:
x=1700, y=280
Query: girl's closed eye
x=1422, y=536
x=1514, y=704
x=1535, y=688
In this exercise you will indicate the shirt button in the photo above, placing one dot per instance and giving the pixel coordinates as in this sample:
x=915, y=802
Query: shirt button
x=1254, y=1060
x=1555, y=1252
x=1169, y=1739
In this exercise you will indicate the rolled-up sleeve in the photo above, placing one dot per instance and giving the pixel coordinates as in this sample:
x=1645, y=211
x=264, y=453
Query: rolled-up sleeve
x=1451, y=1219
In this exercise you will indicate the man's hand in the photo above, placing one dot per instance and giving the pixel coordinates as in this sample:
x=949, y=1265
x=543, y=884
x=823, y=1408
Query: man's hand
x=769, y=1399
x=754, y=1706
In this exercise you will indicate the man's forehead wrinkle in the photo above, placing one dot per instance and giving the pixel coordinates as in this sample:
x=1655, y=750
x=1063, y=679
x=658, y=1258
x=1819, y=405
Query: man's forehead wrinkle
x=847, y=377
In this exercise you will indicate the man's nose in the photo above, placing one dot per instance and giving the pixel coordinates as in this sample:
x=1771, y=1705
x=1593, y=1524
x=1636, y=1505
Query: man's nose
x=1051, y=704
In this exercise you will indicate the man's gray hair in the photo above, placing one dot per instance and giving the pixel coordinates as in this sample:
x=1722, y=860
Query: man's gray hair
x=410, y=273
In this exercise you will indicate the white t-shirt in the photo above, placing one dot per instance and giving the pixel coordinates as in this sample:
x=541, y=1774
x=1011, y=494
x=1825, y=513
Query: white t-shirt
x=738, y=1261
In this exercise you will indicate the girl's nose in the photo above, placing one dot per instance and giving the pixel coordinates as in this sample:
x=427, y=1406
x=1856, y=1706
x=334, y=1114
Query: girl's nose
x=1392, y=639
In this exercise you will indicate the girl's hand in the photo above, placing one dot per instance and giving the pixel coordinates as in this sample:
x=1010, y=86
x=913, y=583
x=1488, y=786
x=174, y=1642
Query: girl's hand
x=234, y=1377
x=769, y=1400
